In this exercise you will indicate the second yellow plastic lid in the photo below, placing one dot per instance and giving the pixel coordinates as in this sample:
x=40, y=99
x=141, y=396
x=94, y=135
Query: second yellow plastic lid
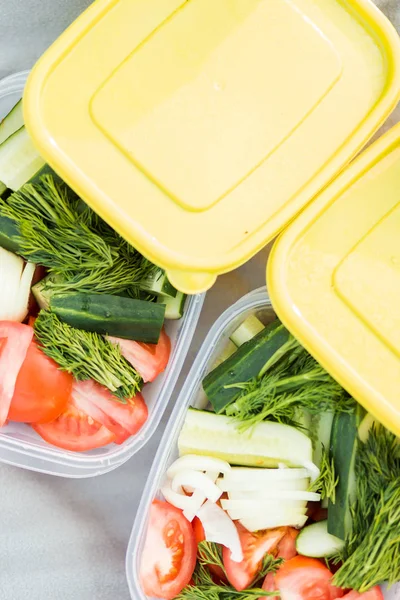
x=198, y=129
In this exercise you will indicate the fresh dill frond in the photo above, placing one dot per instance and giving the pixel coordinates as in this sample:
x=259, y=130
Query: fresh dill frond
x=296, y=382
x=210, y=553
x=371, y=554
x=53, y=231
x=63, y=234
x=87, y=355
x=270, y=564
x=327, y=481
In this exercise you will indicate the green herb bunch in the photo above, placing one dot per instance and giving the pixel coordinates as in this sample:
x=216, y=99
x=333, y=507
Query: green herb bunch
x=87, y=355
x=60, y=232
x=204, y=588
x=371, y=554
x=292, y=381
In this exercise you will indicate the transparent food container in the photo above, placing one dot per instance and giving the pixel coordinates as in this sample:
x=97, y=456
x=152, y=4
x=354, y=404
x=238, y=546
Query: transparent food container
x=256, y=302
x=21, y=446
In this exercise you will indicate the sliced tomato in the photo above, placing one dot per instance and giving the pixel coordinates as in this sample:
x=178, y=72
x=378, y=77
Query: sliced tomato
x=287, y=545
x=374, y=593
x=255, y=546
x=269, y=585
x=75, y=430
x=169, y=554
x=15, y=339
x=41, y=391
x=200, y=536
x=306, y=579
x=149, y=360
x=96, y=401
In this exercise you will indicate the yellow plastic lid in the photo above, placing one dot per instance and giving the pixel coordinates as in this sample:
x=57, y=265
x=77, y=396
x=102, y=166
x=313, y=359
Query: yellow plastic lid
x=199, y=128
x=334, y=279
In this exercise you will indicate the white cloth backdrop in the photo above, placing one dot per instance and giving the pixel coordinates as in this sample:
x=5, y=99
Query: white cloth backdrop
x=64, y=539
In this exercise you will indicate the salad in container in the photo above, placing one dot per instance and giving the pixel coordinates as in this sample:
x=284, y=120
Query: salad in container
x=271, y=480
x=93, y=334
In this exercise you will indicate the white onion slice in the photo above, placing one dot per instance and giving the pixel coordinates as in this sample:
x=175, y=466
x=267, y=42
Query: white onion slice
x=263, y=521
x=243, y=479
x=273, y=495
x=219, y=528
x=198, y=498
x=300, y=485
x=313, y=470
x=197, y=481
x=177, y=497
x=24, y=291
x=193, y=462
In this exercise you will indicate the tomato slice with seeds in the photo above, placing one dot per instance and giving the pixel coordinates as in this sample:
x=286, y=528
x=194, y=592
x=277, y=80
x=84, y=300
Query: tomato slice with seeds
x=15, y=339
x=41, y=391
x=255, y=546
x=269, y=585
x=123, y=419
x=149, y=360
x=169, y=554
x=374, y=593
x=75, y=430
x=306, y=579
x=287, y=545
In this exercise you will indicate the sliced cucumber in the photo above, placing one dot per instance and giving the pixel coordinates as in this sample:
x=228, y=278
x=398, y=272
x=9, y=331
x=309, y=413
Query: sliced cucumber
x=158, y=283
x=9, y=235
x=43, y=290
x=314, y=540
x=247, y=330
x=323, y=430
x=365, y=427
x=117, y=316
x=229, y=349
x=265, y=445
x=343, y=448
x=174, y=307
x=246, y=363
x=11, y=122
x=19, y=160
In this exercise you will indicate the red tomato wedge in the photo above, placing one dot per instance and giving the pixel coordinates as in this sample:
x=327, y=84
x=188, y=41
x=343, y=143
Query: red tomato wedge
x=169, y=554
x=306, y=579
x=96, y=401
x=374, y=593
x=200, y=537
x=287, y=545
x=149, y=360
x=255, y=546
x=75, y=430
x=41, y=391
x=269, y=585
x=15, y=339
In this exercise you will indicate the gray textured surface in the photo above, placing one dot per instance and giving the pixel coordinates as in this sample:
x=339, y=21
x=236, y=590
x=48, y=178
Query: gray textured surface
x=64, y=539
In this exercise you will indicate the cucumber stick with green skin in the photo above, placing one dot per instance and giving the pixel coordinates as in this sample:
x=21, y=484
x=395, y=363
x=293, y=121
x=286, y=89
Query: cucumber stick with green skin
x=9, y=235
x=174, y=307
x=267, y=444
x=343, y=450
x=117, y=316
x=13, y=121
x=243, y=365
x=19, y=160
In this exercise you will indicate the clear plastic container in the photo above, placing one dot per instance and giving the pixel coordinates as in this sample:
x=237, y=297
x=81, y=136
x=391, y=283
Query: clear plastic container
x=256, y=302
x=21, y=446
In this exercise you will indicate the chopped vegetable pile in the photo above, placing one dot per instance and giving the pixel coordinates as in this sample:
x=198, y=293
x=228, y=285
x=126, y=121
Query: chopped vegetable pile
x=284, y=487
x=82, y=312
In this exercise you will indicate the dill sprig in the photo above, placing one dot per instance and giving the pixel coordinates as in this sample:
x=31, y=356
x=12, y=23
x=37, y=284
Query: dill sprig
x=326, y=482
x=87, y=355
x=296, y=381
x=60, y=232
x=53, y=227
x=372, y=549
x=204, y=588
